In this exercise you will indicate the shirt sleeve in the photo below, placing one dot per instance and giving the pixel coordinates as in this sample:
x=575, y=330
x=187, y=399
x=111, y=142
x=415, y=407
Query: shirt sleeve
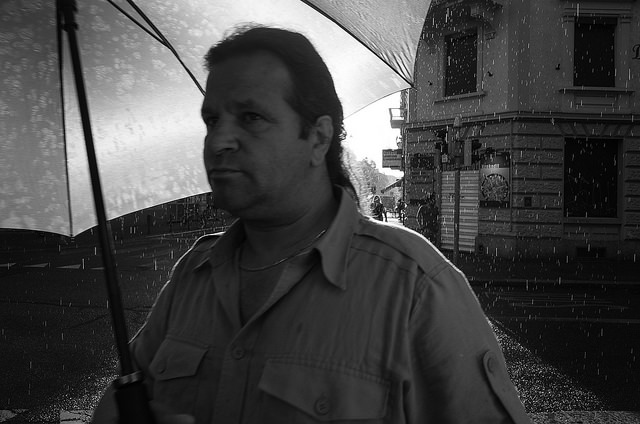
x=459, y=371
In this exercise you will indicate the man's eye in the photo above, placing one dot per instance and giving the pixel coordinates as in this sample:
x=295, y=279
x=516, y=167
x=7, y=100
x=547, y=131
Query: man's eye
x=251, y=117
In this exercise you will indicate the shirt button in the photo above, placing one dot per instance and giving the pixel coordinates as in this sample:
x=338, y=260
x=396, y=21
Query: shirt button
x=491, y=365
x=238, y=353
x=322, y=406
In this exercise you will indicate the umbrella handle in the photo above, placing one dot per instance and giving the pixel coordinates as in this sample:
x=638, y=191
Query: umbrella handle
x=132, y=401
x=131, y=396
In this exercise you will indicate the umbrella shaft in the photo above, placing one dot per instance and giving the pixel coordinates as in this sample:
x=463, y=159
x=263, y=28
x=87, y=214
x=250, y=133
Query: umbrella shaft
x=106, y=241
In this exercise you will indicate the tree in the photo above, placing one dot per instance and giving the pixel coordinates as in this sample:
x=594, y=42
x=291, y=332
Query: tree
x=367, y=178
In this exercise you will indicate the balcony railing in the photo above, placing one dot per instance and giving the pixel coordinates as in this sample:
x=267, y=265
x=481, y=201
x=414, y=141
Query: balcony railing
x=396, y=116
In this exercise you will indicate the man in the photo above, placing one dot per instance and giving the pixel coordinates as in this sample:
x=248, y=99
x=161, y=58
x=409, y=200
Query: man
x=305, y=310
x=377, y=209
x=400, y=207
x=427, y=216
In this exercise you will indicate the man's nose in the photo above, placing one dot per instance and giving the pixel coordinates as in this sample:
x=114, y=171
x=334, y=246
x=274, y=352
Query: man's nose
x=221, y=138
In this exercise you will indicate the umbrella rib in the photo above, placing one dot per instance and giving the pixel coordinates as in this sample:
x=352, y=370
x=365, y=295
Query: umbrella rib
x=329, y=17
x=132, y=19
x=157, y=36
x=62, y=115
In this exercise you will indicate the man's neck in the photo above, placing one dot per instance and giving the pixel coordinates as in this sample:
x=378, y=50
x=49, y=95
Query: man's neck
x=268, y=242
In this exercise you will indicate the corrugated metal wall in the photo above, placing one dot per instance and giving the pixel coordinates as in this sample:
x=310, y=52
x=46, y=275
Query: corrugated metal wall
x=468, y=210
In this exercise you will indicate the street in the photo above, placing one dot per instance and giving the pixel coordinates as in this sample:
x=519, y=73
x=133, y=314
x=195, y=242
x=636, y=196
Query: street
x=568, y=348
x=586, y=334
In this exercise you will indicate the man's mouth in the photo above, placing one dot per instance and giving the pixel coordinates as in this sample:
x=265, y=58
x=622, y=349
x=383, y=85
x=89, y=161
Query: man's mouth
x=222, y=172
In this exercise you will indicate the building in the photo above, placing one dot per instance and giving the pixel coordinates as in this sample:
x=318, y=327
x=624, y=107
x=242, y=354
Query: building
x=535, y=103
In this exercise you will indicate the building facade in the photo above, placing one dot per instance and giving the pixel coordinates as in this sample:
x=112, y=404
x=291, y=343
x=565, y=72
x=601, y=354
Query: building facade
x=535, y=103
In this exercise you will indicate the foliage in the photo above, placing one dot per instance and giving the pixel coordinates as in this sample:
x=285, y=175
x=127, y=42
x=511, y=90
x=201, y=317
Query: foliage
x=366, y=177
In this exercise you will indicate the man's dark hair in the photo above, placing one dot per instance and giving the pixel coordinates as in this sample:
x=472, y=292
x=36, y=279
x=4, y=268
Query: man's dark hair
x=313, y=94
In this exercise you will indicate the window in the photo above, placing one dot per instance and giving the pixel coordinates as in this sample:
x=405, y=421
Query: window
x=594, y=58
x=461, y=63
x=422, y=161
x=591, y=178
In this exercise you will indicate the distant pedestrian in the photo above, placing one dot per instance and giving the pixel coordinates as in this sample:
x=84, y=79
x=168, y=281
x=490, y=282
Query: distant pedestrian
x=378, y=210
x=400, y=207
x=428, y=222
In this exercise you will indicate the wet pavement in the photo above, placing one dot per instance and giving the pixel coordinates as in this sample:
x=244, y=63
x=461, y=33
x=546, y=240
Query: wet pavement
x=143, y=270
x=590, y=271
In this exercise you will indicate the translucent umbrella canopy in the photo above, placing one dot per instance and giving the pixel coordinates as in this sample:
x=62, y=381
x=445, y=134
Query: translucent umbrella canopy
x=144, y=107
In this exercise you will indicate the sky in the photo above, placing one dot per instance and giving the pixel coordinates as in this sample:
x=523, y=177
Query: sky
x=369, y=132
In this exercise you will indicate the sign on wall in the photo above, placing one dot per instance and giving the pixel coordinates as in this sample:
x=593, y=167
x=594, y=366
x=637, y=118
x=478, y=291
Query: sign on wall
x=392, y=158
x=421, y=168
x=495, y=181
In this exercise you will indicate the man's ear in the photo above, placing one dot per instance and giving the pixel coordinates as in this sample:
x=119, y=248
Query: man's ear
x=323, y=131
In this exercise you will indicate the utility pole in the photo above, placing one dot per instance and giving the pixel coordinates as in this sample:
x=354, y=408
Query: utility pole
x=402, y=144
x=456, y=216
x=456, y=189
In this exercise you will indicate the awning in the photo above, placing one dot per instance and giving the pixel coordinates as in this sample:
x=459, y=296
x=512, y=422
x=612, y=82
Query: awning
x=398, y=183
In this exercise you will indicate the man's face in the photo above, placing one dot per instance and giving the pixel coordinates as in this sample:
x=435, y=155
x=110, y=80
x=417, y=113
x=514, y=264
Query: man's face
x=255, y=160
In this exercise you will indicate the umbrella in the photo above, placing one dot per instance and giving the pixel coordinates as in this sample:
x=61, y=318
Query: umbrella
x=144, y=110
x=144, y=107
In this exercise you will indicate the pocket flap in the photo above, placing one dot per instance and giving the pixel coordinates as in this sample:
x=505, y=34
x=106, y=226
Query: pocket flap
x=176, y=358
x=326, y=394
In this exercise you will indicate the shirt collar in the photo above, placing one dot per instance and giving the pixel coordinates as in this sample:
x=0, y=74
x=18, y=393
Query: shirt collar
x=224, y=246
x=333, y=247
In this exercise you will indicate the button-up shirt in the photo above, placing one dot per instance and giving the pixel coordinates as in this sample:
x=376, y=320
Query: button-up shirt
x=373, y=324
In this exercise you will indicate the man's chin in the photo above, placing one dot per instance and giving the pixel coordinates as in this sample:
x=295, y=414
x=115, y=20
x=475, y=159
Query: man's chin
x=230, y=202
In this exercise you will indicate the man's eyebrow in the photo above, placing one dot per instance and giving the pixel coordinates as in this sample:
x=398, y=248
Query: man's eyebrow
x=247, y=103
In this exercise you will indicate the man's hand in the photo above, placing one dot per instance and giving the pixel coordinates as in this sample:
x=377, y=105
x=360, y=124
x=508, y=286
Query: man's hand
x=107, y=412
x=165, y=416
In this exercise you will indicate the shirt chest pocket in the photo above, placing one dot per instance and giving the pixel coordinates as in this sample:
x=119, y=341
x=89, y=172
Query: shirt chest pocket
x=322, y=394
x=174, y=371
